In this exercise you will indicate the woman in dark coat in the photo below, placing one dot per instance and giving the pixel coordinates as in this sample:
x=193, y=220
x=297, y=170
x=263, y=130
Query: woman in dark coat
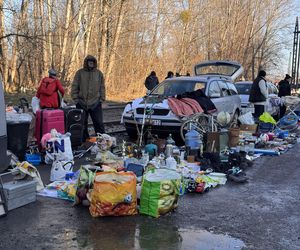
x=284, y=90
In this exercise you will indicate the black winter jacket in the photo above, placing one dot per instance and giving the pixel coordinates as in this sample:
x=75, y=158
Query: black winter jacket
x=284, y=88
x=151, y=82
x=255, y=93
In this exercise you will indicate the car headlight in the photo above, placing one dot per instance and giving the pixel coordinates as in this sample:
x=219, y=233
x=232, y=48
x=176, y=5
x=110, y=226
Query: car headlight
x=129, y=112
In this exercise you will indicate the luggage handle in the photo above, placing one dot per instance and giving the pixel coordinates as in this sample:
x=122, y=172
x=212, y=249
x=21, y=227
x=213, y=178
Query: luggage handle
x=64, y=165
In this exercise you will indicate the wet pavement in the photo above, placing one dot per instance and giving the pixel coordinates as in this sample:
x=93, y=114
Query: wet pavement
x=261, y=214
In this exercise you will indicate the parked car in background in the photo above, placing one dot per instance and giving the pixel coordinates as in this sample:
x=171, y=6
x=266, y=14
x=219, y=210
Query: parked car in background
x=244, y=88
x=215, y=78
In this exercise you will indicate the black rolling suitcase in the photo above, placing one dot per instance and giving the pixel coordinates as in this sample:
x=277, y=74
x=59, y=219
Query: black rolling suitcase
x=74, y=123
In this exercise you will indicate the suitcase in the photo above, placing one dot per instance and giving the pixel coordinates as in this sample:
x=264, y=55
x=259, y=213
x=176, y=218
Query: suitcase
x=74, y=123
x=48, y=119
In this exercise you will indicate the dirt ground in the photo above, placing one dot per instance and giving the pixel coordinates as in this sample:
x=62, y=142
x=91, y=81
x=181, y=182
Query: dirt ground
x=261, y=214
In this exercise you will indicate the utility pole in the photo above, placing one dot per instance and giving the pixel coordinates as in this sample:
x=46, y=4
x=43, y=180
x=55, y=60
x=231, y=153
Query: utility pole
x=296, y=56
x=289, y=65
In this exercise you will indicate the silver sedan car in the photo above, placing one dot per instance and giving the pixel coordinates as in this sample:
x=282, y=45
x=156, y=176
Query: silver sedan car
x=215, y=78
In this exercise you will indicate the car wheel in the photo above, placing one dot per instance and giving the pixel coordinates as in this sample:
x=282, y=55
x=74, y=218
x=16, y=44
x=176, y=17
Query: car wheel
x=201, y=123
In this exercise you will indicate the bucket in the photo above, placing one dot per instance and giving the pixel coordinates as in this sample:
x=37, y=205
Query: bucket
x=234, y=137
x=193, y=140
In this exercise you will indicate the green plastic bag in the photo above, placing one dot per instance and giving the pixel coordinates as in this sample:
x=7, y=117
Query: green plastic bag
x=84, y=184
x=160, y=192
x=267, y=118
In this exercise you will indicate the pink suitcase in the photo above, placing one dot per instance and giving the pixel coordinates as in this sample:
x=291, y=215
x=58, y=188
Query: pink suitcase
x=48, y=119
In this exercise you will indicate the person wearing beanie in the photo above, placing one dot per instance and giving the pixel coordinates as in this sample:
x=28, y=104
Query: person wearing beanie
x=49, y=89
x=284, y=90
x=169, y=75
x=259, y=94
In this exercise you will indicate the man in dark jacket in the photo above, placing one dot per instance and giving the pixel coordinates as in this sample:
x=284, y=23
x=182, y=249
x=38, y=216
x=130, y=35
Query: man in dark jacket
x=88, y=92
x=284, y=90
x=151, y=81
x=259, y=94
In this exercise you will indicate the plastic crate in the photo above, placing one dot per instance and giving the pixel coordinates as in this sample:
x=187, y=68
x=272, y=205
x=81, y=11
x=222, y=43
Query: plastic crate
x=34, y=159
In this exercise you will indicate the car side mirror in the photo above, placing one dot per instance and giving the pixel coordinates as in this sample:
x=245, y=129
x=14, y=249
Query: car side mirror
x=215, y=95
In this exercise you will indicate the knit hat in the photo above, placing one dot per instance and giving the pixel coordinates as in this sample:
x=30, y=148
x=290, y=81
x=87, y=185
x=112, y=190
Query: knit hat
x=262, y=73
x=287, y=76
x=52, y=72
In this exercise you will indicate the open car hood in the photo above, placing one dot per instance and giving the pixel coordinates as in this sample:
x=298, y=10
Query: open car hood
x=229, y=69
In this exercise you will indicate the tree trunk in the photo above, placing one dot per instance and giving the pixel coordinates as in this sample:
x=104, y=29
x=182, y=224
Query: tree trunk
x=115, y=44
x=65, y=39
x=103, y=35
x=3, y=48
x=45, y=62
x=49, y=37
x=22, y=24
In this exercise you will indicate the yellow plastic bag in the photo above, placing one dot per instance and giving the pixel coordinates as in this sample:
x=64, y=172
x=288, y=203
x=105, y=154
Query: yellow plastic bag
x=267, y=118
x=114, y=194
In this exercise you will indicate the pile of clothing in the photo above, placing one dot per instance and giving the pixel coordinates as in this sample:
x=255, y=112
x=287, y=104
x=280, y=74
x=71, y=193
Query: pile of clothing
x=190, y=103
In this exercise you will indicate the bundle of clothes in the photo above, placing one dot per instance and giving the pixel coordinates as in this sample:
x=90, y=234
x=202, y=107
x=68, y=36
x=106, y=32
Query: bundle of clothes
x=190, y=103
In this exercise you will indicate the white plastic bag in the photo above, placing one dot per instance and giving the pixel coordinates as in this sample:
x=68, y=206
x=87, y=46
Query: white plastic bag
x=35, y=103
x=63, y=104
x=60, y=169
x=247, y=118
x=60, y=148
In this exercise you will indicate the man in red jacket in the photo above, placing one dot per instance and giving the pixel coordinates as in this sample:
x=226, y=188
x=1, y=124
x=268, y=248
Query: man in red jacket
x=48, y=91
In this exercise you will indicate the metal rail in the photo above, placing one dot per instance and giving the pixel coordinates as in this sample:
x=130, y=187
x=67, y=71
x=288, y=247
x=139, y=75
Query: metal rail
x=114, y=107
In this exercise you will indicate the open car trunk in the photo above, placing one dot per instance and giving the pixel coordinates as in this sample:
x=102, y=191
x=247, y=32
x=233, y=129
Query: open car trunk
x=228, y=69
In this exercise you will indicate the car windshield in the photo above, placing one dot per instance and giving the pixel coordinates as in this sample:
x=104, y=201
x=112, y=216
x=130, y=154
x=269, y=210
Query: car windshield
x=243, y=89
x=172, y=87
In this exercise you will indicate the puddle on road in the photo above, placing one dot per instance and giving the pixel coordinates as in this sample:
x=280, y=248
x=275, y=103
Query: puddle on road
x=145, y=237
x=187, y=239
x=202, y=239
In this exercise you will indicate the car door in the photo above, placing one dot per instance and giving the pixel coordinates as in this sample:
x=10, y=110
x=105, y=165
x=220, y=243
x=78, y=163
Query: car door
x=226, y=99
x=235, y=99
x=214, y=93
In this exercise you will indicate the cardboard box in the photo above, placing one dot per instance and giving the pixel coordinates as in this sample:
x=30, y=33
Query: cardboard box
x=250, y=128
x=217, y=141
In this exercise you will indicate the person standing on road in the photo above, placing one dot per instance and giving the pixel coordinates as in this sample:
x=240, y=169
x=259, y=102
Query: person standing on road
x=151, y=81
x=259, y=94
x=284, y=90
x=88, y=92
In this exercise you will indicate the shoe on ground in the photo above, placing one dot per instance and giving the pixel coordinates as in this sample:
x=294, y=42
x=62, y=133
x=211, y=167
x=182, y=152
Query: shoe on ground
x=239, y=178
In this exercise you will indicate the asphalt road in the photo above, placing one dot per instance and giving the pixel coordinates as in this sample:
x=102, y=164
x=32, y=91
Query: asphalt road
x=261, y=214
